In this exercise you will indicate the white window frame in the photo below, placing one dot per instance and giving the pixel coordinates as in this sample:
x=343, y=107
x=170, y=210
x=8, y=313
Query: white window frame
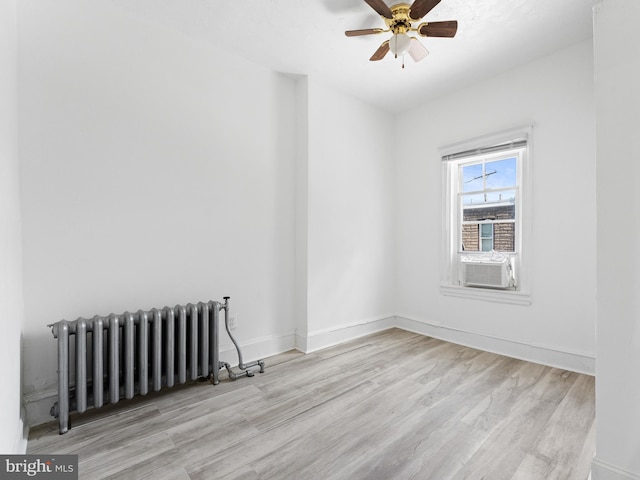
x=471, y=151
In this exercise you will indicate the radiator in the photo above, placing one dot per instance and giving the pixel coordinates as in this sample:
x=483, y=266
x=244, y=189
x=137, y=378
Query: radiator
x=105, y=359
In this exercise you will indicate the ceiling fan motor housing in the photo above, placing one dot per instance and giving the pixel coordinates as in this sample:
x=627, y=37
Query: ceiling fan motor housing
x=401, y=22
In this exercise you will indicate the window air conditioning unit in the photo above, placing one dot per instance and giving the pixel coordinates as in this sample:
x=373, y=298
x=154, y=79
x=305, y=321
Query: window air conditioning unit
x=486, y=273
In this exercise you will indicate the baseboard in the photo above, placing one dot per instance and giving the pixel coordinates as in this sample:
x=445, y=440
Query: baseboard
x=258, y=348
x=603, y=471
x=21, y=446
x=20, y=443
x=545, y=355
x=38, y=403
x=329, y=337
x=574, y=361
x=301, y=343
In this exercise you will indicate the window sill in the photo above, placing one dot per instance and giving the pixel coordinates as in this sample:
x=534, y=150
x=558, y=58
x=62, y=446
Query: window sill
x=486, y=294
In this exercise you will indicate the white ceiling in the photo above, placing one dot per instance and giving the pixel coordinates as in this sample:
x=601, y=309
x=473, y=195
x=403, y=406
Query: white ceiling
x=307, y=37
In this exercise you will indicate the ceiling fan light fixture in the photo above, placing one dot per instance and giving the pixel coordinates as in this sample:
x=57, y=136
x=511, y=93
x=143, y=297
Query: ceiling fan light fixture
x=400, y=44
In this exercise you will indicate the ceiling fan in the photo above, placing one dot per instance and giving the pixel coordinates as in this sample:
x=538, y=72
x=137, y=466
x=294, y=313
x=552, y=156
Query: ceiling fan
x=399, y=19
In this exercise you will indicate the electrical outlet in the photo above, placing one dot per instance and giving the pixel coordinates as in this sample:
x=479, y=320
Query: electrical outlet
x=233, y=320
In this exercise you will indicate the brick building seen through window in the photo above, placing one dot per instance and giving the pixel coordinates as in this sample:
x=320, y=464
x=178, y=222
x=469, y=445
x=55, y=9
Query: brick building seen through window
x=489, y=227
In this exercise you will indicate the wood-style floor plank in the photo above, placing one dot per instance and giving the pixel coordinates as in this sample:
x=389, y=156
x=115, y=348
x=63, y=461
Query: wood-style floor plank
x=392, y=405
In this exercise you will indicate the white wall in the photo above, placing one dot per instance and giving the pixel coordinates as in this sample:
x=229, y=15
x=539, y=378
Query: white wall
x=351, y=218
x=155, y=170
x=11, y=308
x=558, y=328
x=617, y=76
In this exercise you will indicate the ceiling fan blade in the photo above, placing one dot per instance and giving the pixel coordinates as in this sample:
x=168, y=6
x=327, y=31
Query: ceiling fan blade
x=381, y=7
x=417, y=50
x=420, y=8
x=366, y=31
x=439, y=29
x=381, y=52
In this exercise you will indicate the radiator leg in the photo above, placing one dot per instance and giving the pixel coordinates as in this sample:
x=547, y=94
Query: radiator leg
x=247, y=368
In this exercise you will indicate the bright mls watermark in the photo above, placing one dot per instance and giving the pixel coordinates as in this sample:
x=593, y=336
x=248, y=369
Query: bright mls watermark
x=52, y=467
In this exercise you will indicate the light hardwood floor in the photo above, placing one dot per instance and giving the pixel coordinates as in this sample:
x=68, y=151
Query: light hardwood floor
x=390, y=406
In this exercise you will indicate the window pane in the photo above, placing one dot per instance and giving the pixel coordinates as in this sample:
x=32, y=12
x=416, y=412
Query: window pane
x=472, y=178
x=474, y=199
x=501, y=173
x=489, y=236
x=490, y=206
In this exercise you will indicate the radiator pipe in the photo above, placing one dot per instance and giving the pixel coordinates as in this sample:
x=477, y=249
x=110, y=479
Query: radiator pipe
x=245, y=367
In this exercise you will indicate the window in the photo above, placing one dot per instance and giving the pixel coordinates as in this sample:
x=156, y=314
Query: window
x=487, y=216
x=487, y=196
x=486, y=236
